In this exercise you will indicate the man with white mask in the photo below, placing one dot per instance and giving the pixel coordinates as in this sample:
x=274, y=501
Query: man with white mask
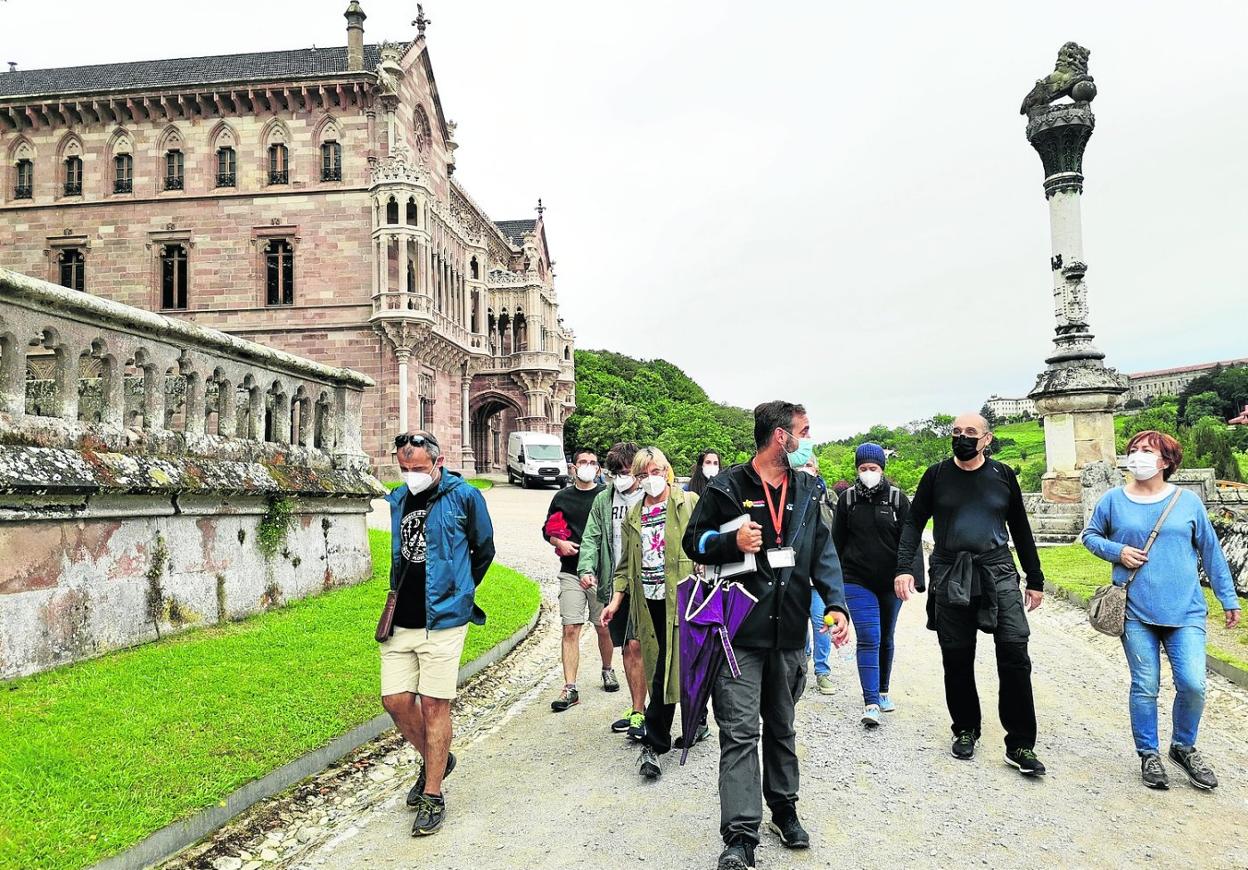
x=442, y=543
x=578, y=603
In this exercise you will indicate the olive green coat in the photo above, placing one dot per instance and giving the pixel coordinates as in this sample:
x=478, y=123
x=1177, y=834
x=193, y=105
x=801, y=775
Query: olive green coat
x=627, y=579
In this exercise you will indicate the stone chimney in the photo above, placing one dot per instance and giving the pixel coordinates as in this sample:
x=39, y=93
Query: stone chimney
x=355, y=36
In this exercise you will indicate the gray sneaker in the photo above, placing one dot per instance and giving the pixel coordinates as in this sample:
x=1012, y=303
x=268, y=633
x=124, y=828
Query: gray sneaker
x=430, y=813
x=609, y=682
x=1153, y=774
x=1193, y=763
x=823, y=683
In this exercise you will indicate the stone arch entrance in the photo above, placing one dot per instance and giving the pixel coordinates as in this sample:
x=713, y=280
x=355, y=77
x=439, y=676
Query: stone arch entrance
x=493, y=416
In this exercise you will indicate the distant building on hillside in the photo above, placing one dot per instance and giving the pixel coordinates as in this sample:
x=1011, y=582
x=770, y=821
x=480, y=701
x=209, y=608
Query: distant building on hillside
x=1002, y=408
x=1171, y=382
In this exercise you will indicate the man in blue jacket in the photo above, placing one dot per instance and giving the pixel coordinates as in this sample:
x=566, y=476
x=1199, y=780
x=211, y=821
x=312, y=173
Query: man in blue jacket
x=441, y=545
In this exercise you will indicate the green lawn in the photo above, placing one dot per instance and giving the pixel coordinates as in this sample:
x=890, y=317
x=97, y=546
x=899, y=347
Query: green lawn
x=1079, y=572
x=1027, y=437
x=478, y=482
x=100, y=754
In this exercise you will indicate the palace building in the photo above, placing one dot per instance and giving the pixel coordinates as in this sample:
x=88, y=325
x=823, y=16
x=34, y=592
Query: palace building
x=305, y=200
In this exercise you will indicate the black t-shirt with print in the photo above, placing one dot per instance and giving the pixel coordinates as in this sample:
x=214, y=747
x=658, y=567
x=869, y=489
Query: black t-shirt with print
x=410, y=609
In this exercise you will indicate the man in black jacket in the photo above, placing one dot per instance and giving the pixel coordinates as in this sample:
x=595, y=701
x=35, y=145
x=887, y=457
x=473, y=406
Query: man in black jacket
x=793, y=551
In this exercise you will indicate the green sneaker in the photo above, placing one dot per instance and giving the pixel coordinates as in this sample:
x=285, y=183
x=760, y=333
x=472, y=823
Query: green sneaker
x=619, y=726
x=823, y=683
x=636, y=726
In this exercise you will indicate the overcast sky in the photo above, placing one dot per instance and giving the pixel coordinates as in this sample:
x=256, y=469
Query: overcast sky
x=828, y=202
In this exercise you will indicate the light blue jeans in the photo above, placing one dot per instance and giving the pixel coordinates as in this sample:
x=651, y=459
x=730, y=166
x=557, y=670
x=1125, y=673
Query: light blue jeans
x=875, y=620
x=822, y=650
x=1185, y=648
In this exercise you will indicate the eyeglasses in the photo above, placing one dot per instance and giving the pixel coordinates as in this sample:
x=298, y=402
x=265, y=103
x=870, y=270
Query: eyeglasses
x=414, y=440
x=970, y=432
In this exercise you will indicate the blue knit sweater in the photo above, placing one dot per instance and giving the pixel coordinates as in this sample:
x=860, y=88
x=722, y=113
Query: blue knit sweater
x=1166, y=591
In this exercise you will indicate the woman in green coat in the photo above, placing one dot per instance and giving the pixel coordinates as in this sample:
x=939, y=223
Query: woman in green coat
x=652, y=562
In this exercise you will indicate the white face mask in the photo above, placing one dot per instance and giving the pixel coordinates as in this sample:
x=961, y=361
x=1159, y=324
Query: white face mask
x=710, y=470
x=870, y=479
x=586, y=473
x=1142, y=465
x=654, y=485
x=624, y=482
x=417, y=481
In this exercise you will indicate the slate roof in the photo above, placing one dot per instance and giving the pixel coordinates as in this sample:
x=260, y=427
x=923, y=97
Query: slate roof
x=187, y=71
x=516, y=229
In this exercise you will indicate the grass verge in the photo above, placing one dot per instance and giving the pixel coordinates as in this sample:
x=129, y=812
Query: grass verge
x=1079, y=573
x=98, y=755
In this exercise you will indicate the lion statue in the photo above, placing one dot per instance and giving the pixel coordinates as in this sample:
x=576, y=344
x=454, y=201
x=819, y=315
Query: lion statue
x=1069, y=78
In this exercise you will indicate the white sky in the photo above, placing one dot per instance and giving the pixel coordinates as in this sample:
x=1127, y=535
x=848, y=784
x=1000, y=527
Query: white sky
x=828, y=202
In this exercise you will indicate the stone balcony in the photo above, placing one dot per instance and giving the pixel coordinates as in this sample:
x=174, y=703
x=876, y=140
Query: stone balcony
x=156, y=475
x=525, y=360
x=419, y=310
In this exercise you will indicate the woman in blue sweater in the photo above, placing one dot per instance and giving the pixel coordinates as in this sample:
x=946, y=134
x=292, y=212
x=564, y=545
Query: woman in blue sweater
x=1165, y=604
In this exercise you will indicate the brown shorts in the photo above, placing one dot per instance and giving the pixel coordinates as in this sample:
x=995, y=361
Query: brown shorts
x=422, y=662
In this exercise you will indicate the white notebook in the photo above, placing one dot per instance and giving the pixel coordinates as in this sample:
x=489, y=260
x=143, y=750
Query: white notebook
x=747, y=564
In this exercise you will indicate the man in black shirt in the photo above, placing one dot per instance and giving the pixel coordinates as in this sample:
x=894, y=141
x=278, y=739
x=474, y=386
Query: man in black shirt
x=977, y=506
x=793, y=550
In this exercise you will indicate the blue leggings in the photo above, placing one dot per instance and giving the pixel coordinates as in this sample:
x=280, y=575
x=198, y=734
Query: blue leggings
x=875, y=620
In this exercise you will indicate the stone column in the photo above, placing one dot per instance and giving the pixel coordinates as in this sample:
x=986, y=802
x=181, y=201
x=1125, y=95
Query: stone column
x=403, y=354
x=1076, y=394
x=403, y=268
x=468, y=463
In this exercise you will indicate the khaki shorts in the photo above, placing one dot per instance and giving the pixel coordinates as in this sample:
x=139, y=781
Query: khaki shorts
x=576, y=605
x=422, y=662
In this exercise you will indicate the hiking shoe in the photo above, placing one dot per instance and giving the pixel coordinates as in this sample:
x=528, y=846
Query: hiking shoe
x=619, y=726
x=737, y=856
x=790, y=831
x=648, y=764
x=413, y=796
x=964, y=745
x=430, y=813
x=886, y=703
x=1025, y=760
x=703, y=733
x=609, y=682
x=823, y=683
x=871, y=716
x=636, y=726
x=1193, y=763
x=567, y=698
x=1152, y=771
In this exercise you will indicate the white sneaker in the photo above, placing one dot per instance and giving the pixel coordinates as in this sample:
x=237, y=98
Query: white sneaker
x=886, y=704
x=871, y=716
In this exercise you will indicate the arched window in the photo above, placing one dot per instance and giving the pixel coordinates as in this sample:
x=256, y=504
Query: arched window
x=392, y=211
x=331, y=161
x=73, y=176
x=25, y=186
x=174, y=178
x=411, y=212
x=227, y=167
x=123, y=173
x=475, y=269
x=567, y=352
x=173, y=276
x=521, y=340
x=279, y=171
x=280, y=273
x=71, y=264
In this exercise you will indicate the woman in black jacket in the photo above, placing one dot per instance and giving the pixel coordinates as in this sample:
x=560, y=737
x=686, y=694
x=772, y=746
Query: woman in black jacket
x=866, y=528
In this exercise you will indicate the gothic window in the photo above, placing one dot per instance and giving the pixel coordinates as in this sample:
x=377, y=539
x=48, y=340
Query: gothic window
x=73, y=176
x=411, y=276
x=25, y=187
x=567, y=353
x=521, y=340
x=279, y=261
x=476, y=269
x=123, y=173
x=392, y=211
x=411, y=213
x=173, y=276
x=279, y=172
x=331, y=161
x=71, y=263
x=421, y=131
x=173, y=170
x=227, y=167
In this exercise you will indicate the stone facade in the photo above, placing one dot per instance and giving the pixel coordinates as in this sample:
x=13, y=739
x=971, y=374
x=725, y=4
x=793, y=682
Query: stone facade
x=1004, y=408
x=309, y=196
x=1172, y=382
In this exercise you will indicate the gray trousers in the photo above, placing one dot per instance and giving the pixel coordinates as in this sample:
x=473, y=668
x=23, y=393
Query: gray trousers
x=771, y=681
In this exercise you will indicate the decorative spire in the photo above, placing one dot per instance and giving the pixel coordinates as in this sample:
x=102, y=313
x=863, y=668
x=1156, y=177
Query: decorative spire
x=421, y=22
x=541, y=209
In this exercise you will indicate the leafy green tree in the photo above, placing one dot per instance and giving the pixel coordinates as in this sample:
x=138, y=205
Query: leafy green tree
x=988, y=415
x=1208, y=445
x=1206, y=404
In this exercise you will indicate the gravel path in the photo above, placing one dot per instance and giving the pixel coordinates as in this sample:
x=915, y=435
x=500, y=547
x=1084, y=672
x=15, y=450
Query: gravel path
x=535, y=788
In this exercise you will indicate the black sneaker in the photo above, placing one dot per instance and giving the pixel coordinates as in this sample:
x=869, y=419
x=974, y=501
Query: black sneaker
x=964, y=745
x=648, y=764
x=569, y=697
x=619, y=726
x=737, y=856
x=413, y=796
x=703, y=733
x=636, y=726
x=430, y=813
x=1152, y=772
x=1026, y=762
x=789, y=829
x=1193, y=763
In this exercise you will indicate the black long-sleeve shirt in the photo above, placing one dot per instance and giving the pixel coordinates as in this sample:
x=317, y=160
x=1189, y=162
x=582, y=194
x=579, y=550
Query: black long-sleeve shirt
x=574, y=504
x=867, y=537
x=974, y=511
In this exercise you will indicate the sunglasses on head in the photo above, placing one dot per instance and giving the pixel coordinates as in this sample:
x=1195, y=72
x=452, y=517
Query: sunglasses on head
x=414, y=440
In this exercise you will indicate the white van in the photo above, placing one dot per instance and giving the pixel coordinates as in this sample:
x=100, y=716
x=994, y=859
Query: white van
x=535, y=457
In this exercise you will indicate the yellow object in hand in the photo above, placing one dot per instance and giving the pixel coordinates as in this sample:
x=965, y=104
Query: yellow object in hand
x=829, y=619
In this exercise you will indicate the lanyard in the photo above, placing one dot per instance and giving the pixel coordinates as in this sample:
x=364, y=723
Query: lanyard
x=777, y=513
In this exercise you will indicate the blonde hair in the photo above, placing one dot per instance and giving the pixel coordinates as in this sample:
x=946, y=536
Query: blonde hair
x=645, y=456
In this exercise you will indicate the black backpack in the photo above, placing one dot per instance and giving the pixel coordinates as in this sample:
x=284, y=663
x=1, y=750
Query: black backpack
x=894, y=499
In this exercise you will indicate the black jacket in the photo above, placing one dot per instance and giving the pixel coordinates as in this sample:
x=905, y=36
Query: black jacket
x=867, y=535
x=781, y=618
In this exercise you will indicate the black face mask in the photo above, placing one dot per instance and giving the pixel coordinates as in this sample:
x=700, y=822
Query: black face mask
x=965, y=447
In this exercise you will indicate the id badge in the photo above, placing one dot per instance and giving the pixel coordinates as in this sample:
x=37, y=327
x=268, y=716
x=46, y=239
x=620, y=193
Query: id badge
x=781, y=557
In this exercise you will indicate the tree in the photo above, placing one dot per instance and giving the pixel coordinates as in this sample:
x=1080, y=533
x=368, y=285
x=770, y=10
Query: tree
x=1206, y=404
x=988, y=416
x=1133, y=404
x=1208, y=445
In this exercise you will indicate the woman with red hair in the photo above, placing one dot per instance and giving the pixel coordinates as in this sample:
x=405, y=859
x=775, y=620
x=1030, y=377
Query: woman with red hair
x=1165, y=604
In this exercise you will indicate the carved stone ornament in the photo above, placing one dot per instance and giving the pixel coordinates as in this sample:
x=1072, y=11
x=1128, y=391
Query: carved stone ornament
x=389, y=70
x=1069, y=79
x=396, y=168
